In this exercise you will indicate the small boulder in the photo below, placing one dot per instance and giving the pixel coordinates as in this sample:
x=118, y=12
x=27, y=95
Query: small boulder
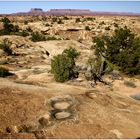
x=42, y=134
x=12, y=129
x=30, y=127
x=45, y=120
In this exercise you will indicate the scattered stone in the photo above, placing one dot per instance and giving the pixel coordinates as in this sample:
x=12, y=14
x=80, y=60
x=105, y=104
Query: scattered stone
x=62, y=115
x=40, y=134
x=12, y=129
x=117, y=133
x=30, y=127
x=45, y=120
x=79, y=80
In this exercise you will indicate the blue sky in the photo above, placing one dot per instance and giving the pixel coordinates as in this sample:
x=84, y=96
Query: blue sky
x=120, y=6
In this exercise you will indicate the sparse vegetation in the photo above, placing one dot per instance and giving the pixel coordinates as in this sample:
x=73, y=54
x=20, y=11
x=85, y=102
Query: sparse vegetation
x=29, y=29
x=88, y=19
x=102, y=23
x=24, y=33
x=26, y=22
x=54, y=19
x=66, y=18
x=116, y=25
x=129, y=84
x=87, y=28
x=63, y=65
x=47, y=24
x=4, y=72
x=60, y=21
x=77, y=20
x=8, y=27
x=5, y=46
x=36, y=36
x=107, y=28
x=52, y=38
x=51, y=72
x=119, y=50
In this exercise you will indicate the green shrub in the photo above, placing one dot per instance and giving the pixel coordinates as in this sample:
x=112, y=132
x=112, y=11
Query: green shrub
x=122, y=49
x=47, y=24
x=23, y=33
x=102, y=23
x=95, y=64
x=54, y=19
x=60, y=21
x=71, y=53
x=4, y=72
x=29, y=29
x=87, y=28
x=107, y=28
x=129, y=84
x=63, y=66
x=77, y=20
x=36, y=36
x=15, y=29
x=25, y=22
x=8, y=27
x=89, y=19
x=116, y=25
x=52, y=38
x=66, y=18
x=5, y=46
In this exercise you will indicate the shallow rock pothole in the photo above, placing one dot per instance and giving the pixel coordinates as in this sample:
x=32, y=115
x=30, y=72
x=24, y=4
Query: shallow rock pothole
x=62, y=115
x=61, y=105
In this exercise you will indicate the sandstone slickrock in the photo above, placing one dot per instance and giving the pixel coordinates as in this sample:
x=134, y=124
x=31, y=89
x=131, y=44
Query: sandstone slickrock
x=64, y=110
x=61, y=98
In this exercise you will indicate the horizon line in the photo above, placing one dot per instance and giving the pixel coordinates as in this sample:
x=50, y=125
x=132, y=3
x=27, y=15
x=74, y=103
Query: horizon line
x=70, y=9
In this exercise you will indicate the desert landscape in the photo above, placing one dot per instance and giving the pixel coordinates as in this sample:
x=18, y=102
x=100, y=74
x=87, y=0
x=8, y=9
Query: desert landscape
x=33, y=104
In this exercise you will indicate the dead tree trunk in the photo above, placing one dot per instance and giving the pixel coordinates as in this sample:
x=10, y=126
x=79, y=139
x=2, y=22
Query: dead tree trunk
x=97, y=76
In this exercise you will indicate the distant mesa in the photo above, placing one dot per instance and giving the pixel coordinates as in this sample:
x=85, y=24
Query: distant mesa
x=36, y=10
x=70, y=12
